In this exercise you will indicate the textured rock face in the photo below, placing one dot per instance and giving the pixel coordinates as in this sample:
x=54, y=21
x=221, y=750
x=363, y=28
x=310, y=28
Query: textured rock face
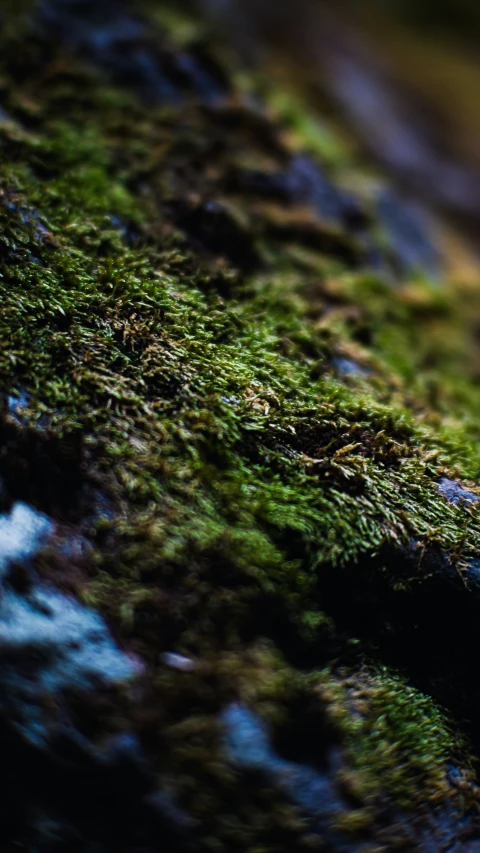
x=49, y=643
x=56, y=654
x=238, y=455
x=454, y=493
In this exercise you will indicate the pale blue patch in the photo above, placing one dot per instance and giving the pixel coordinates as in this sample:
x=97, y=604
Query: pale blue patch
x=21, y=533
x=454, y=493
x=50, y=644
x=247, y=743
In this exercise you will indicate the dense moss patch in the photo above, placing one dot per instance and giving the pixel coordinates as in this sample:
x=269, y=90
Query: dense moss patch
x=393, y=733
x=171, y=320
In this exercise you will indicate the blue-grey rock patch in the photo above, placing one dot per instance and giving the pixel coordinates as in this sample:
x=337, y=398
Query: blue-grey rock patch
x=348, y=367
x=454, y=492
x=21, y=533
x=50, y=644
x=248, y=745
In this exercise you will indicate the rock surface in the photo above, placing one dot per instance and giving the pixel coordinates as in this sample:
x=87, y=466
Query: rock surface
x=239, y=536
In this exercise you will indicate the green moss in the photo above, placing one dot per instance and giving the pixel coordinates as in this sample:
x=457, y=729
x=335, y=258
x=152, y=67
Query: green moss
x=214, y=410
x=398, y=741
x=237, y=465
x=310, y=132
x=393, y=743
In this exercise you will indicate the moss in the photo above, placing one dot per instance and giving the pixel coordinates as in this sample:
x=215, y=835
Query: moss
x=309, y=132
x=223, y=394
x=383, y=743
x=393, y=733
x=236, y=465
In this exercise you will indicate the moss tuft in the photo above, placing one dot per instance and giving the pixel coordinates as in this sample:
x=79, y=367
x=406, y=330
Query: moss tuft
x=187, y=314
x=399, y=743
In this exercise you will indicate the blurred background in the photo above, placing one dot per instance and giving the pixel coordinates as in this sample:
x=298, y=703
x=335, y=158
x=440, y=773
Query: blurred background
x=401, y=77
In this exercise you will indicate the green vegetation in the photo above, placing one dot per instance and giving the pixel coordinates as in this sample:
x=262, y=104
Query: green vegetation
x=236, y=463
x=392, y=734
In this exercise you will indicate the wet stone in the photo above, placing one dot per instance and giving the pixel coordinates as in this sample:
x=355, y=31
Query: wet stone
x=113, y=39
x=409, y=231
x=21, y=533
x=307, y=184
x=68, y=791
x=110, y=36
x=49, y=643
x=17, y=402
x=454, y=493
x=348, y=367
x=126, y=230
x=301, y=182
x=247, y=744
x=176, y=661
x=317, y=792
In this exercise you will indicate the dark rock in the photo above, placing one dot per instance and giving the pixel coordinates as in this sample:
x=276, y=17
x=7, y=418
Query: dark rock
x=110, y=36
x=126, y=229
x=116, y=43
x=308, y=185
x=39, y=465
x=409, y=232
x=302, y=182
x=56, y=654
x=317, y=792
x=85, y=809
x=201, y=75
x=248, y=744
x=218, y=229
x=418, y=607
x=49, y=643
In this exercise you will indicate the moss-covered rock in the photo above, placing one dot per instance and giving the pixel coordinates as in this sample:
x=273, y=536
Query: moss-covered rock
x=239, y=405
